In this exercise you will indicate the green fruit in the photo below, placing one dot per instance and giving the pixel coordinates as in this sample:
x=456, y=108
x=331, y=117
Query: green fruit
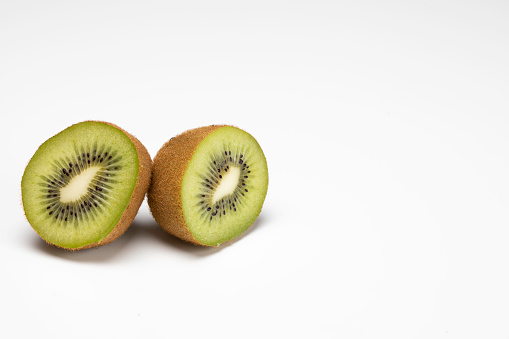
x=84, y=186
x=208, y=184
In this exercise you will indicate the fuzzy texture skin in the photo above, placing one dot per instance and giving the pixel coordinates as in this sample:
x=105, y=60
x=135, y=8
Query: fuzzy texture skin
x=170, y=164
x=140, y=189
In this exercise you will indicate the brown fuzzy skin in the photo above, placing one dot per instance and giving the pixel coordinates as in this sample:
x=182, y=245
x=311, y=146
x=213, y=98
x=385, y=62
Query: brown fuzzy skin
x=164, y=194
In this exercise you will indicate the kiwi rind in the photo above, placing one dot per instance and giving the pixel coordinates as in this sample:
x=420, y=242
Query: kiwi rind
x=135, y=200
x=169, y=169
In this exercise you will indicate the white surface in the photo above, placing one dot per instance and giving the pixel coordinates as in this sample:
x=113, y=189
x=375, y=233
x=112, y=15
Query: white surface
x=385, y=125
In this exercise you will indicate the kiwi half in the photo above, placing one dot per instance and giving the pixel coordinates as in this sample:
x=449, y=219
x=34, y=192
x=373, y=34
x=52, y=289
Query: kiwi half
x=83, y=187
x=208, y=184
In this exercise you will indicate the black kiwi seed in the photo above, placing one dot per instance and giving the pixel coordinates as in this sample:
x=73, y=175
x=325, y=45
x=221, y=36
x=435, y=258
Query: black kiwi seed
x=78, y=163
x=211, y=183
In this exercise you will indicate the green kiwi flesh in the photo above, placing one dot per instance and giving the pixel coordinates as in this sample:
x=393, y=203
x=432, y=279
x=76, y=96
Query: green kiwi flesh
x=79, y=183
x=224, y=186
x=208, y=184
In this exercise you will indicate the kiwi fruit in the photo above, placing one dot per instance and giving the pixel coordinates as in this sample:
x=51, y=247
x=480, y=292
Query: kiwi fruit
x=83, y=187
x=208, y=184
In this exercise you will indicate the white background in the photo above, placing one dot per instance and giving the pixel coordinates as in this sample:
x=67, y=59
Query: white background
x=385, y=126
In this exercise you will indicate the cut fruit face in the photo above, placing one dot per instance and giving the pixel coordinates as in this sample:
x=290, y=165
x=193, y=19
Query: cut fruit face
x=79, y=183
x=224, y=186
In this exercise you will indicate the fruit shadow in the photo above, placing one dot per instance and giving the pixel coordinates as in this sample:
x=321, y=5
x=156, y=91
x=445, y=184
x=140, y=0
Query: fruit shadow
x=145, y=231
x=104, y=253
x=151, y=231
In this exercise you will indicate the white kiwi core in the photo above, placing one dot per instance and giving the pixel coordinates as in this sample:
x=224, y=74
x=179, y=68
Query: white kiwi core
x=227, y=184
x=78, y=186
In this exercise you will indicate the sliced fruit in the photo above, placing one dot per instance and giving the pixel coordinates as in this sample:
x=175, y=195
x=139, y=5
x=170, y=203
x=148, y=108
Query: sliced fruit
x=208, y=184
x=84, y=186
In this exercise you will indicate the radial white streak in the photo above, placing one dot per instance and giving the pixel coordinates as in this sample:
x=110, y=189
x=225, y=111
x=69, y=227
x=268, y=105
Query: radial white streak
x=227, y=185
x=78, y=186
